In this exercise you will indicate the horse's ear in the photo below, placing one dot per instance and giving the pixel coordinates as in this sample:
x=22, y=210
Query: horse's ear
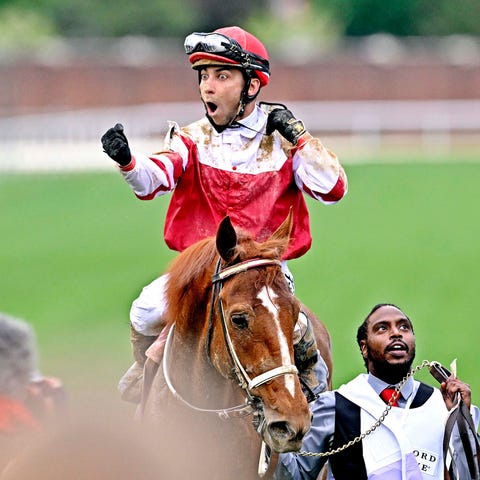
x=226, y=239
x=282, y=233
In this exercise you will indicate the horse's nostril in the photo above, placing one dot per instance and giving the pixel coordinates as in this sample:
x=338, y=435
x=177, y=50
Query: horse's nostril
x=281, y=429
x=282, y=436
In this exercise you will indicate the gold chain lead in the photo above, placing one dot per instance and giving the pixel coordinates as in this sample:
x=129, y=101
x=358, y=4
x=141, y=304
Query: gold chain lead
x=394, y=397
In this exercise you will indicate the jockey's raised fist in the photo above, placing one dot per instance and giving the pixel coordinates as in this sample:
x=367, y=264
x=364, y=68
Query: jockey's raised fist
x=115, y=145
x=282, y=120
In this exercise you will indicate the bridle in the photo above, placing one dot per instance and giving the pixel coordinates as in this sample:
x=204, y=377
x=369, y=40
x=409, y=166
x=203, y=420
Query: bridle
x=252, y=405
x=242, y=378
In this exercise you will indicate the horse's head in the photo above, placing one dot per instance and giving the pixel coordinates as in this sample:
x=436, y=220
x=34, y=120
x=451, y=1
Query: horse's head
x=260, y=313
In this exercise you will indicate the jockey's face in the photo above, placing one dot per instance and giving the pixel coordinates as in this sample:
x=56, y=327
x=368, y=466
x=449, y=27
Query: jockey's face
x=389, y=349
x=220, y=90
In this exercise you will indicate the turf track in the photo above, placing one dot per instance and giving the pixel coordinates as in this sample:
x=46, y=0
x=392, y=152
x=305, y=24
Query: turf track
x=75, y=249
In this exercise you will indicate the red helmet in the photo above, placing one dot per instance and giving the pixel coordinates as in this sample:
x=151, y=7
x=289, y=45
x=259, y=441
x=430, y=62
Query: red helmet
x=229, y=46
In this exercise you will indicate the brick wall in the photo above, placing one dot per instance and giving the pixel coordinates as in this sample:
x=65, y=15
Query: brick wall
x=30, y=87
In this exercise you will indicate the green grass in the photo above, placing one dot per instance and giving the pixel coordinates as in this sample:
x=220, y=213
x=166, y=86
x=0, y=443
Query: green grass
x=75, y=250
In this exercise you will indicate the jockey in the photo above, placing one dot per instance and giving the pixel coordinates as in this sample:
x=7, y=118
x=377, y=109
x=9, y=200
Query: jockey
x=250, y=161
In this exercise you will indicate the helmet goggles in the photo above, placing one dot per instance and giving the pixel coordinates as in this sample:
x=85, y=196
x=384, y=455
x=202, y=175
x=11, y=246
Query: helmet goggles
x=217, y=43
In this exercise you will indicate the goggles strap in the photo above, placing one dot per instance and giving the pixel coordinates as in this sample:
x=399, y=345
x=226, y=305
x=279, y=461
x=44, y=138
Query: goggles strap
x=245, y=97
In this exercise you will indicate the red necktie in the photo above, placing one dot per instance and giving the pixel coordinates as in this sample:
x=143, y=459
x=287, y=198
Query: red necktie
x=387, y=394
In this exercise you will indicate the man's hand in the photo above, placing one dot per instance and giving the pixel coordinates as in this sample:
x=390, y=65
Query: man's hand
x=452, y=388
x=288, y=126
x=115, y=145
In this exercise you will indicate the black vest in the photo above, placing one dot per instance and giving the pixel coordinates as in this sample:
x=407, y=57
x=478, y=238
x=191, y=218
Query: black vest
x=349, y=464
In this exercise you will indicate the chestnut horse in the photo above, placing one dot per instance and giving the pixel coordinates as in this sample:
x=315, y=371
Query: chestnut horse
x=227, y=392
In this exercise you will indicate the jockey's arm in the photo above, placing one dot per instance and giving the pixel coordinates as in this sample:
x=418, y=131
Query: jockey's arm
x=157, y=174
x=317, y=171
x=151, y=176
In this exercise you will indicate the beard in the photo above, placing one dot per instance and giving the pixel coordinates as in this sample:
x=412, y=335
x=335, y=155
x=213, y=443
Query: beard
x=391, y=372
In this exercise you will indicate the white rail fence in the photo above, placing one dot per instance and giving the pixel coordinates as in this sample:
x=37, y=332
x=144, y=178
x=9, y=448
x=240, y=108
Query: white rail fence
x=71, y=140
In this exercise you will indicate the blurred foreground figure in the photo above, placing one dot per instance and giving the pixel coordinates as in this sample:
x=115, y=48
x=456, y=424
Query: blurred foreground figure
x=28, y=401
x=89, y=448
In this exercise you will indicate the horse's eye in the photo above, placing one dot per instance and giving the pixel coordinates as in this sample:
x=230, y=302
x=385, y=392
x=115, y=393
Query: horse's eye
x=240, y=320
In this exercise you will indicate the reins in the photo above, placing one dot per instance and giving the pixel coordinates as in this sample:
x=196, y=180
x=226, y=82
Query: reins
x=224, y=413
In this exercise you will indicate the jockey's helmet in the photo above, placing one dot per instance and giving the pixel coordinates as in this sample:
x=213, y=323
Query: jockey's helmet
x=231, y=46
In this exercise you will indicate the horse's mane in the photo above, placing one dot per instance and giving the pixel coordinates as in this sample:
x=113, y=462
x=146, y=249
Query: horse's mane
x=187, y=282
x=192, y=263
x=190, y=273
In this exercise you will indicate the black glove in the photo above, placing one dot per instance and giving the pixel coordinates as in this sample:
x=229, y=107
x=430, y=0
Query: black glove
x=115, y=145
x=288, y=126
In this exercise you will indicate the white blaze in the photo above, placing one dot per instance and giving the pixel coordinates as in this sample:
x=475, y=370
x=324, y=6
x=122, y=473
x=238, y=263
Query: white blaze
x=267, y=296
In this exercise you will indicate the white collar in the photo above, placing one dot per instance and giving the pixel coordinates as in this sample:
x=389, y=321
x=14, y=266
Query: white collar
x=379, y=385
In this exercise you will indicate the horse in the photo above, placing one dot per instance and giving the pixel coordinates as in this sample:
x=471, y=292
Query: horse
x=227, y=397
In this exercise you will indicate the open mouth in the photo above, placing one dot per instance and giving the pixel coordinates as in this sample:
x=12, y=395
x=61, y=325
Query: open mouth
x=211, y=107
x=397, y=348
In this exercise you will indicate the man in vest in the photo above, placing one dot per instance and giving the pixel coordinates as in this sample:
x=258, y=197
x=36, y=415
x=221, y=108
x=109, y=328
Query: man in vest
x=408, y=445
x=243, y=159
